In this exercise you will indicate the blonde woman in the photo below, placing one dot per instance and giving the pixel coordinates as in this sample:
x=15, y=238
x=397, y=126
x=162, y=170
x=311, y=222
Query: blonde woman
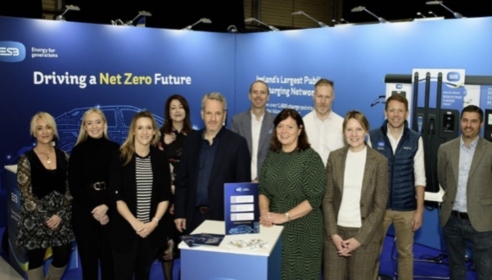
x=354, y=204
x=45, y=212
x=88, y=176
x=140, y=191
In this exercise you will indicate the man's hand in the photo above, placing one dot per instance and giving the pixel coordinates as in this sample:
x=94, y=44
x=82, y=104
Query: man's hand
x=180, y=224
x=418, y=219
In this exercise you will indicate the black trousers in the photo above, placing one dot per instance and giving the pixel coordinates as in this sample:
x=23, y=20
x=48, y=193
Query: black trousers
x=136, y=262
x=61, y=255
x=93, y=246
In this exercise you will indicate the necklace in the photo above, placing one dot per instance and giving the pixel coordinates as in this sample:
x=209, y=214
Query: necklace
x=46, y=154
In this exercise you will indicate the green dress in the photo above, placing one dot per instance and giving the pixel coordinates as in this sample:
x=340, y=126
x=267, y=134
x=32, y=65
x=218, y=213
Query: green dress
x=287, y=179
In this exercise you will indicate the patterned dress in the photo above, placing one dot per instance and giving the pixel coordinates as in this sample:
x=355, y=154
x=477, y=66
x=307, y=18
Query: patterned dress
x=41, y=198
x=287, y=179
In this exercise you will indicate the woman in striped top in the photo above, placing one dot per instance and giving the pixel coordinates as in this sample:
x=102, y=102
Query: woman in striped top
x=140, y=191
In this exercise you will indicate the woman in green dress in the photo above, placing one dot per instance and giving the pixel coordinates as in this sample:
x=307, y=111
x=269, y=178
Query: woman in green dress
x=292, y=187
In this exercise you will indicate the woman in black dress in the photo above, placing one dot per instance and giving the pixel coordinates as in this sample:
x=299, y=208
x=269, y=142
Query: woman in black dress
x=176, y=126
x=45, y=211
x=139, y=186
x=88, y=175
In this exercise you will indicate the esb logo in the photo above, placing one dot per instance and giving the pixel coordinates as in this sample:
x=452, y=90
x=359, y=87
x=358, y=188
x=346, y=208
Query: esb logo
x=454, y=76
x=11, y=51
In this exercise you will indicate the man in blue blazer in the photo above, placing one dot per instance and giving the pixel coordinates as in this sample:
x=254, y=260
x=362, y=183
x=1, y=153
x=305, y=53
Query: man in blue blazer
x=211, y=157
x=464, y=170
x=256, y=125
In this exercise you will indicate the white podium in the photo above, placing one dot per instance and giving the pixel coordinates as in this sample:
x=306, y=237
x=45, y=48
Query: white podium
x=226, y=262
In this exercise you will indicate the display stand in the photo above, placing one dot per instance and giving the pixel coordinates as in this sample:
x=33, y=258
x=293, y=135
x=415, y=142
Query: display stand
x=229, y=262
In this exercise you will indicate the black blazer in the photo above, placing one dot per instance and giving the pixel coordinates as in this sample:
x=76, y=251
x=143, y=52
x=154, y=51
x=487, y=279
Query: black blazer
x=231, y=164
x=123, y=186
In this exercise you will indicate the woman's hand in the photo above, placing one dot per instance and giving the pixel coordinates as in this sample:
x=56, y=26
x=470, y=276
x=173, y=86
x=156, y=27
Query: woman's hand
x=99, y=212
x=53, y=222
x=104, y=220
x=349, y=246
x=137, y=225
x=147, y=229
x=266, y=219
x=338, y=242
x=269, y=219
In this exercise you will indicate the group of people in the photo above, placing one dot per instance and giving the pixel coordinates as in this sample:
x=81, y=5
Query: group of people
x=335, y=185
x=115, y=201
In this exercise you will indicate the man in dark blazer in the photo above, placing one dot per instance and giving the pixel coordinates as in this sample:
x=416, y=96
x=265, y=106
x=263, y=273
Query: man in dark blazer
x=256, y=125
x=211, y=157
x=464, y=170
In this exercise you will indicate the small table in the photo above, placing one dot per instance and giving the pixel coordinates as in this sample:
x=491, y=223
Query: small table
x=227, y=262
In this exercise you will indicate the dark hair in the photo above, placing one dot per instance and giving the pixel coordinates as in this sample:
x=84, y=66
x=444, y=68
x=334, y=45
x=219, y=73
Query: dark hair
x=259, y=81
x=302, y=140
x=472, y=109
x=396, y=97
x=168, y=122
x=358, y=116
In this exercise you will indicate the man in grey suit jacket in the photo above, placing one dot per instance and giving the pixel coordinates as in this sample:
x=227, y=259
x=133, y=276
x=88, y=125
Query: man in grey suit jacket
x=256, y=126
x=464, y=170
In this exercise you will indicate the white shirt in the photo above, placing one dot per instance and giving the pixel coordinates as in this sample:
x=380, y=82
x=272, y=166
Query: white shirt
x=255, y=138
x=349, y=213
x=465, y=161
x=324, y=136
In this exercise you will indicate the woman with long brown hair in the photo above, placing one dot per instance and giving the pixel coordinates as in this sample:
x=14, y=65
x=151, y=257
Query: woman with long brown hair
x=177, y=126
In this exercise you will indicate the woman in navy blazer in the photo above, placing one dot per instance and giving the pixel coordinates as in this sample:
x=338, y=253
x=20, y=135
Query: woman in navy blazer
x=140, y=191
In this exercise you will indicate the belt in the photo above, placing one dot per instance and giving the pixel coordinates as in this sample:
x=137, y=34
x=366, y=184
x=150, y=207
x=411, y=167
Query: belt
x=97, y=186
x=203, y=209
x=461, y=215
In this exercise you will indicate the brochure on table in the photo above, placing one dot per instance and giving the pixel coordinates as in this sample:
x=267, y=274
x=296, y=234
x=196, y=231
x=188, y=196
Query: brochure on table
x=241, y=208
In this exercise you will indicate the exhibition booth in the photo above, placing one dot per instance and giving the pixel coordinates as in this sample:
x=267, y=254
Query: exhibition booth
x=64, y=68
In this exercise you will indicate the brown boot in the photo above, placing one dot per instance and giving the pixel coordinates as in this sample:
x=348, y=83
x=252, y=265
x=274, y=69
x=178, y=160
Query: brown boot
x=35, y=274
x=55, y=273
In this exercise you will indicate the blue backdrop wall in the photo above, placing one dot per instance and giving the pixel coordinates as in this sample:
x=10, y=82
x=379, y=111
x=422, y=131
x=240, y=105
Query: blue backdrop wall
x=64, y=68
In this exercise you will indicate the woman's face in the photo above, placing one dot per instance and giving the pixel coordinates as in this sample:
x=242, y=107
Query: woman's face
x=144, y=131
x=94, y=125
x=288, y=134
x=355, y=135
x=176, y=111
x=43, y=132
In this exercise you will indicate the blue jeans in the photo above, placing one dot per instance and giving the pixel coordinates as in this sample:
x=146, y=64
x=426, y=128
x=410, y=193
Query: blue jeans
x=456, y=233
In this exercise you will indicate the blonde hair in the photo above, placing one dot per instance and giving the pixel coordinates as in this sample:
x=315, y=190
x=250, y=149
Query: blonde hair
x=83, y=133
x=128, y=147
x=47, y=118
x=358, y=116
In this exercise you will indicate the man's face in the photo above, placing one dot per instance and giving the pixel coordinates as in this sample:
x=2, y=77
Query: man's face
x=396, y=113
x=470, y=125
x=323, y=98
x=258, y=95
x=213, y=115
